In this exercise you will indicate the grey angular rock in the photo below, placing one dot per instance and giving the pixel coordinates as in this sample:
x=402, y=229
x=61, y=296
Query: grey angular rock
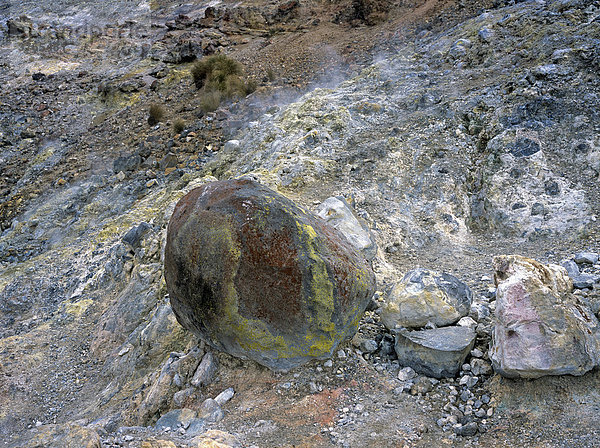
x=134, y=236
x=206, y=371
x=340, y=215
x=468, y=430
x=211, y=411
x=571, y=267
x=368, y=346
x=479, y=311
x=437, y=353
x=175, y=419
x=196, y=427
x=586, y=258
x=225, y=396
x=541, y=327
x=127, y=163
x=425, y=296
x=481, y=367
x=584, y=281
x=180, y=397
x=406, y=374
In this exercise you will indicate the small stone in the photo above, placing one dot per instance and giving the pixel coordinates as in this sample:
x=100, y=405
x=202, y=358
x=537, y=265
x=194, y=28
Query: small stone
x=135, y=235
x=479, y=311
x=368, y=346
x=476, y=353
x=480, y=413
x=127, y=163
x=538, y=209
x=481, y=367
x=225, y=396
x=485, y=399
x=490, y=412
x=485, y=34
x=407, y=373
x=180, y=397
x=466, y=322
x=341, y=354
x=231, y=145
x=120, y=176
x=468, y=430
x=151, y=183
x=421, y=386
x=328, y=364
x=170, y=160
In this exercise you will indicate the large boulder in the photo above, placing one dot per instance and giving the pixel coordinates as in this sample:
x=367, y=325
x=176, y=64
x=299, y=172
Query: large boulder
x=541, y=327
x=424, y=296
x=254, y=275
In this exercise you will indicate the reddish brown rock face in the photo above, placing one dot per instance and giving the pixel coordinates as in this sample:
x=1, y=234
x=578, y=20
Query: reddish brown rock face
x=255, y=275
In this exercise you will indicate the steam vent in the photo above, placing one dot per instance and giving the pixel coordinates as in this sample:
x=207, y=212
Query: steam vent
x=256, y=276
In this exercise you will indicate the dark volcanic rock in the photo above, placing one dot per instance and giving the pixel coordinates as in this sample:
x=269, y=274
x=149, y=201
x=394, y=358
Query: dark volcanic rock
x=256, y=276
x=439, y=352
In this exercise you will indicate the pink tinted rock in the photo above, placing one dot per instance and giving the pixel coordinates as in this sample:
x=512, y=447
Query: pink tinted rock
x=541, y=327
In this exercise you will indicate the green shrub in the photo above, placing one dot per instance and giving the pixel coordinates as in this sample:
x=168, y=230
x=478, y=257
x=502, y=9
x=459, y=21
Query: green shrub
x=178, y=126
x=155, y=114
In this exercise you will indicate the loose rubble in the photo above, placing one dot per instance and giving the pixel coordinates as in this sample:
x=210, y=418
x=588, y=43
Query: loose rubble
x=433, y=136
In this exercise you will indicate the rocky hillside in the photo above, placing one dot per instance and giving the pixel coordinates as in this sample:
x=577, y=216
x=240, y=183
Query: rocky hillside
x=457, y=133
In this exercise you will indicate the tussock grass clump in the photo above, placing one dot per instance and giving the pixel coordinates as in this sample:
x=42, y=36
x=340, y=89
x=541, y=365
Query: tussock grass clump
x=155, y=114
x=210, y=101
x=220, y=77
x=178, y=126
x=215, y=71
